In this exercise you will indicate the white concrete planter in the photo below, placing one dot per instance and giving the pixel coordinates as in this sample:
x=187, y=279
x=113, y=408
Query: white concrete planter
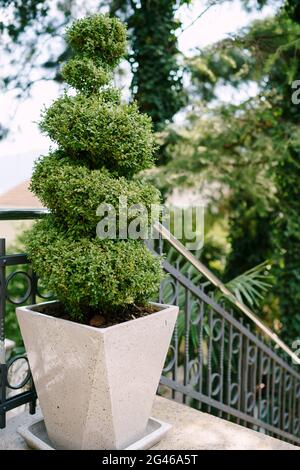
x=96, y=385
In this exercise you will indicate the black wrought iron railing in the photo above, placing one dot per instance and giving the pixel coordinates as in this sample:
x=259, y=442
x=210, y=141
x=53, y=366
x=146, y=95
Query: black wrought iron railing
x=222, y=360
x=16, y=389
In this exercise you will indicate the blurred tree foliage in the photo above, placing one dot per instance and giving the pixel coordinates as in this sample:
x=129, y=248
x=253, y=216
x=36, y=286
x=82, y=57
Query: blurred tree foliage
x=251, y=148
x=36, y=27
x=285, y=69
x=157, y=78
x=274, y=45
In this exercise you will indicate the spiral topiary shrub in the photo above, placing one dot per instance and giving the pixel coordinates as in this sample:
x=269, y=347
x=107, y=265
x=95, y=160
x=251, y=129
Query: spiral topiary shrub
x=102, y=144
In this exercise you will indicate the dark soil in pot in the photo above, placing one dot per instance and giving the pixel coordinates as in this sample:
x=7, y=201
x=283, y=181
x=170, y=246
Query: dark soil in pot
x=100, y=319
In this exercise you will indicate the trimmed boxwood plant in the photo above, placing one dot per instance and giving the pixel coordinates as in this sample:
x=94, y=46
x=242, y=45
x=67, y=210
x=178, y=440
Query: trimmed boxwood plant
x=102, y=143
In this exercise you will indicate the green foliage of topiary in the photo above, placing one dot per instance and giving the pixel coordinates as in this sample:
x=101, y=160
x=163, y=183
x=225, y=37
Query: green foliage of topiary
x=100, y=36
x=91, y=274
x=72, y=192
x=101, y=133
x=83, y=74
x=102, y=144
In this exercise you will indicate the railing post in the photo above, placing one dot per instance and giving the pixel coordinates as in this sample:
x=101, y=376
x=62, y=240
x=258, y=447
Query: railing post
x=2, y=303
x=34, y=282
x=3, y=369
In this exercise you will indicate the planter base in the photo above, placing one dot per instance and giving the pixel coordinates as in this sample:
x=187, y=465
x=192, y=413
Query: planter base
x=36, y=436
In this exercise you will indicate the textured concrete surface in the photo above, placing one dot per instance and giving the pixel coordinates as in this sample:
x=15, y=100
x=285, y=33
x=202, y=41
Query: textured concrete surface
x=192, y=430
x=9, y=437
x=9, y=346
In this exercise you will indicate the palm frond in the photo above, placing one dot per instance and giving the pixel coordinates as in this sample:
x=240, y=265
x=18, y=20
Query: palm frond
x=250, y=286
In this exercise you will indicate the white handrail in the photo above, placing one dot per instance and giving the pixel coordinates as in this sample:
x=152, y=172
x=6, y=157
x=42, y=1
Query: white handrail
x=164, y=232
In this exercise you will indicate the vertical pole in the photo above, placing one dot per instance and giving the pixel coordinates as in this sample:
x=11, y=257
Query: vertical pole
x=3, y=369
x=2, y=302
x=34, y=281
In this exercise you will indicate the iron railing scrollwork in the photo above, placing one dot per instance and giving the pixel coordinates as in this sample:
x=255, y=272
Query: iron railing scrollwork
x=9, y=401
x=221, y=364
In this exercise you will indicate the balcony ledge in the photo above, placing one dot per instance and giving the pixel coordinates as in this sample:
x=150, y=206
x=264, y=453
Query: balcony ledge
x=9, y=346
x=192, y=430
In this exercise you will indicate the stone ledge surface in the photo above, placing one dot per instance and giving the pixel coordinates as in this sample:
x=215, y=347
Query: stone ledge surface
x=192, y=430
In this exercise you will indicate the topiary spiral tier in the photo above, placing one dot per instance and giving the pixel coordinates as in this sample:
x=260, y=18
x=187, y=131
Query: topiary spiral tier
x=102, y=144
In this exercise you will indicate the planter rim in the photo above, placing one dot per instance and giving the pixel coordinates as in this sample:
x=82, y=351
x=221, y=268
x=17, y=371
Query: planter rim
x=29, y=308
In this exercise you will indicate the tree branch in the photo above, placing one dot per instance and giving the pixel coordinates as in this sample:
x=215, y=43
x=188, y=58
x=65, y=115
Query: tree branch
x=198, y=17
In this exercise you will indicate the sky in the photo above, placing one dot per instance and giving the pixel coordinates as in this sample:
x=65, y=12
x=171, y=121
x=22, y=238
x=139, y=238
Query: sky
x=25, y=142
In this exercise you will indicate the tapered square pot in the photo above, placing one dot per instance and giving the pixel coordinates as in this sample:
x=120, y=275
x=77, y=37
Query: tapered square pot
x=96, y=385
